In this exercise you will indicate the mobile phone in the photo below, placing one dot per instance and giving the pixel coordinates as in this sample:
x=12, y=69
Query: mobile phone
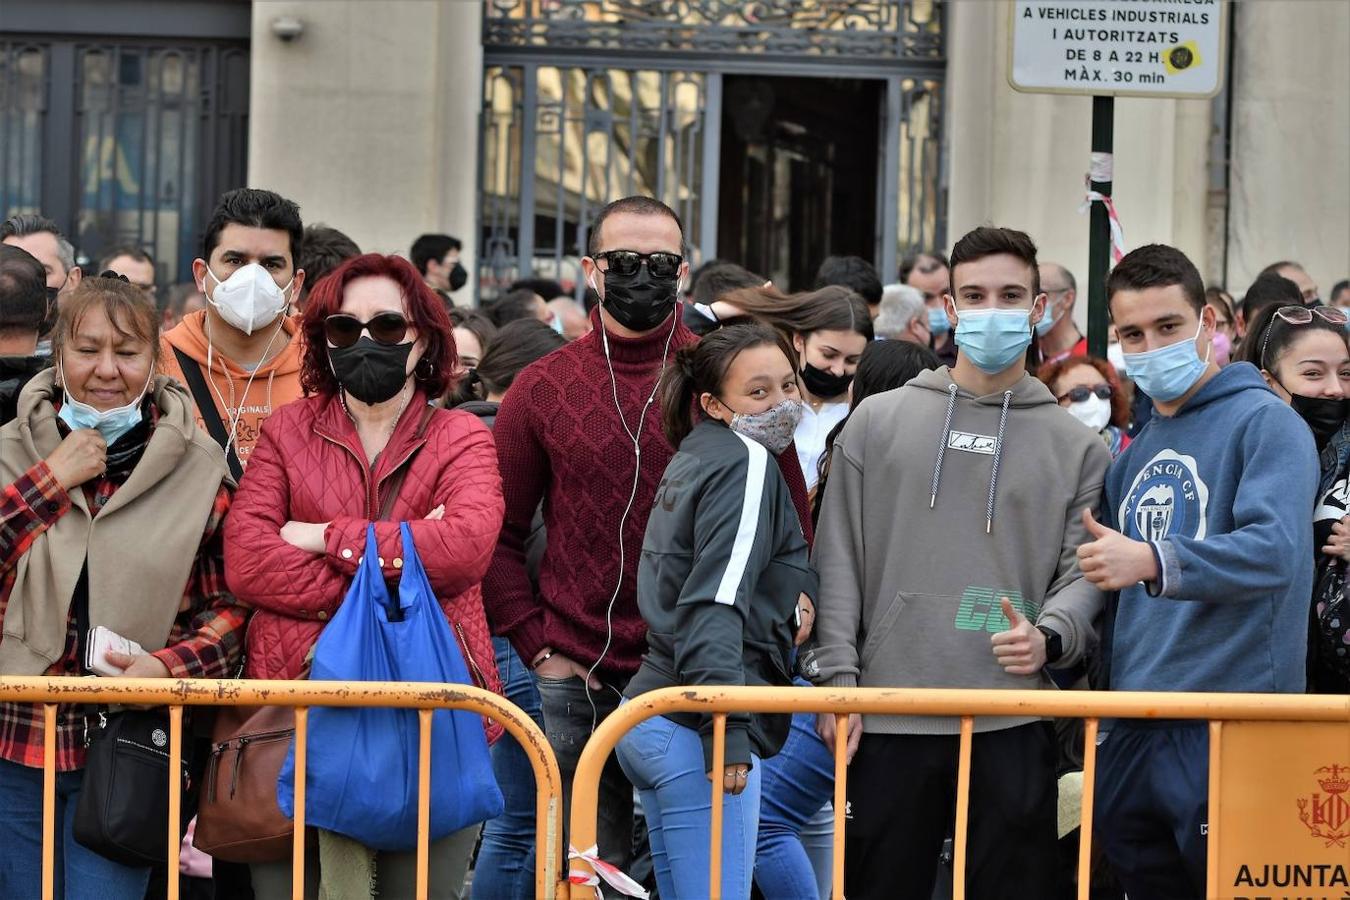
x=101, y=640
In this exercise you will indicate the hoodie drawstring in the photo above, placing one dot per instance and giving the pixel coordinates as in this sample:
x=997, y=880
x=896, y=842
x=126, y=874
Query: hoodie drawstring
x=942, y=443
x=998, y=454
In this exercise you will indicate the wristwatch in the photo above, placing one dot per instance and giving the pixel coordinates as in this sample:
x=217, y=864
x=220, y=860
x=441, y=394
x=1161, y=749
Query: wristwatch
x=1054, y=645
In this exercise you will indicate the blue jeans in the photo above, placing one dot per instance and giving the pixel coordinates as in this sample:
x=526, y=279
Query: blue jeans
x=796, y=822
x=505, y=868
x=665, y=763
x=81, y=874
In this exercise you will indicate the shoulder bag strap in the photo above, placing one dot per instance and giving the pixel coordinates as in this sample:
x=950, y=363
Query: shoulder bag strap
x=201, y=395
x=395, y=482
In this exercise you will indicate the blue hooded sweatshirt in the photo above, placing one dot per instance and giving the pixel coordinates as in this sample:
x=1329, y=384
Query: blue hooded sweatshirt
x=1224, y=492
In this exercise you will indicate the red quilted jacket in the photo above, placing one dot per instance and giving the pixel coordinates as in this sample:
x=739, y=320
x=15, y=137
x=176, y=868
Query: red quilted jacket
x=308, y=466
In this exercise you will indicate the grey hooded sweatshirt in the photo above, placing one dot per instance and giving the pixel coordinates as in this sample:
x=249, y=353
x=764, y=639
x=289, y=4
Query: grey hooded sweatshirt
x=939, y=504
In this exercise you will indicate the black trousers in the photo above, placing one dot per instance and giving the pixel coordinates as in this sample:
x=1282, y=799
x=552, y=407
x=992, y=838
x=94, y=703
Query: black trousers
x=1152, y=809
x=902, y=805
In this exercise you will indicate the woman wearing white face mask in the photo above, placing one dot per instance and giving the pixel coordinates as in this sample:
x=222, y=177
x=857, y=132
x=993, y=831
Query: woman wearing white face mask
x=101, y=439
x=1090, y=390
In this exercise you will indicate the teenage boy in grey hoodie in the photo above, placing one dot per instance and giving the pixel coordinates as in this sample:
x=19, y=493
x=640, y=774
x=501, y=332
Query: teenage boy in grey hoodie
x=1002, y=498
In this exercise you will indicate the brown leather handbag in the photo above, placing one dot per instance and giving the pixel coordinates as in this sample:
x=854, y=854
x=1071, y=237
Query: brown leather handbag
x=238, y=819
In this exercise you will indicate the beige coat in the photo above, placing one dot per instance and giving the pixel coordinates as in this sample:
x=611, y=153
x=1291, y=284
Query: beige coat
x=139, y=550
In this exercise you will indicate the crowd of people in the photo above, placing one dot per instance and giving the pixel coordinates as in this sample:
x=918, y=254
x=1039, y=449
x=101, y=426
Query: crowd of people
x=684, y=478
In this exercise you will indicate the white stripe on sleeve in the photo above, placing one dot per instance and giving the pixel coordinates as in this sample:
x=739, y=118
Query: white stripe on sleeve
x=749, y=525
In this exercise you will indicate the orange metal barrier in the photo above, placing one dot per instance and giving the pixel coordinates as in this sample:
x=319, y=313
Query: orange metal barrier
x=1088, y=705
x=177, y=693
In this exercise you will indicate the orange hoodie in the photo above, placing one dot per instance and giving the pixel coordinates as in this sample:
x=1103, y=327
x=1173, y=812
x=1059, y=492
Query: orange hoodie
x=259, y=394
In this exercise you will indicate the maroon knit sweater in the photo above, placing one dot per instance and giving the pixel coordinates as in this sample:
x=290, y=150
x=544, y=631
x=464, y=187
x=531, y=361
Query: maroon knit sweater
x=560, y=441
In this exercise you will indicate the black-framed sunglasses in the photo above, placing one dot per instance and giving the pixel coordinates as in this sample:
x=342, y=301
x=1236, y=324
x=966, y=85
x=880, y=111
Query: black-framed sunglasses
x=627, y=262
x=1103, y=391
x=388, y=328
x=1303, y=315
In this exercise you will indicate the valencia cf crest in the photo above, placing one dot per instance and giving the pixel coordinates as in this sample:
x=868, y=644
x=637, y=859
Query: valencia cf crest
x=1326, y=813
x=1167, y=499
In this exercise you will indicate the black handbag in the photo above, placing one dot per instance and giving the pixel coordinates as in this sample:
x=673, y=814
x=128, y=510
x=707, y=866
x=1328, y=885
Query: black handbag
x=123, y=810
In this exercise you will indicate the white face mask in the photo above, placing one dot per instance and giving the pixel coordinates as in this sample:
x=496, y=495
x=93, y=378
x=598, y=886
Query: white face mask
x=249, y=299
x=1115, y=354
x=1094, y=412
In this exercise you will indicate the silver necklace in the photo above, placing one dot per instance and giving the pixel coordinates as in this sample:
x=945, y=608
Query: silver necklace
x=407, y=395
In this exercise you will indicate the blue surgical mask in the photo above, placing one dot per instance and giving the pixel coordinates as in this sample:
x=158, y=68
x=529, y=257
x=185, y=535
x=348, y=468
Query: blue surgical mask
x=938, y=323
x=1048, y=320
x=1168, y=372
x=994, y=339
x=112, y=424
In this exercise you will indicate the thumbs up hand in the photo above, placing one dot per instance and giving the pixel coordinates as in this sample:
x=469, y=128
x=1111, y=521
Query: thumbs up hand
x=1112, y=561
x=1021, y=649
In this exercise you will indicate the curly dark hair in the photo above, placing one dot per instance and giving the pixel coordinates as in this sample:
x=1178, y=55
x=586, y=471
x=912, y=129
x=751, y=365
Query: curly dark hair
x=424, y=308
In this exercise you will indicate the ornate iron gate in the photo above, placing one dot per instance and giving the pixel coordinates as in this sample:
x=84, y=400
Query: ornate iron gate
x=123, y=142
x=588, y=100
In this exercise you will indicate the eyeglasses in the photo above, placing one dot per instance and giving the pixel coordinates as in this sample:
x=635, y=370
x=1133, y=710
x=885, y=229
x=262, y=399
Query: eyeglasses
x=1079, y=394
x=1303, y=315
x=626, y=262
x=387, y=328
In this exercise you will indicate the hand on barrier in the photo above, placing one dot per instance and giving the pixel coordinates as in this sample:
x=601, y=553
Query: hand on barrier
x=825, y=728
x=1112, y=561
x=1021, y=649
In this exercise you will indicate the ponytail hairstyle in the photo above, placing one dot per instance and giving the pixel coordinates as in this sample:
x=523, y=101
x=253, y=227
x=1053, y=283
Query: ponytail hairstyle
x=700, y=369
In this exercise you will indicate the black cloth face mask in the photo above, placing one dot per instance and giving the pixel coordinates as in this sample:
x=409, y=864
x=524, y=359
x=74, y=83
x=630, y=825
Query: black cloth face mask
x=369, y=371
x=1324, y=415
x=823, y=383
x=459, y=277
x=639, y=302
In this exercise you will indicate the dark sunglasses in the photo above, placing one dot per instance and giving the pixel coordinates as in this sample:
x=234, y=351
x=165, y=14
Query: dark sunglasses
x=387, y=328
x=627, y=262
x=1079, y=394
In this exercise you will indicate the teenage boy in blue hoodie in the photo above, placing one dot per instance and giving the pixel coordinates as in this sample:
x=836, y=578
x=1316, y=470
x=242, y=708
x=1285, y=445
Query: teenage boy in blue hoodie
x=1209, y=542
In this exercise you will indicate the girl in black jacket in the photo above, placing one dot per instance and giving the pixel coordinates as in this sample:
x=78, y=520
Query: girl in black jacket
x=723, y=564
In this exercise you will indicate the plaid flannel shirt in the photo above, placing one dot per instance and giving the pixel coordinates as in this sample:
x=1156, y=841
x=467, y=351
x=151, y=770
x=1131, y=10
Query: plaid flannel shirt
x=204, y=641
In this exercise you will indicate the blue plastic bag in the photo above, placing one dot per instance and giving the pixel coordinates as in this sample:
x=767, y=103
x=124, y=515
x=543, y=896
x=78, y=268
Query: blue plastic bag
x=361, y=771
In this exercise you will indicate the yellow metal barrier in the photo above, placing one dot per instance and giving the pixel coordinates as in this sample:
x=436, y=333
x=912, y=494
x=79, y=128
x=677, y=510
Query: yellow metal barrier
x=177, y=693
x=969, y=705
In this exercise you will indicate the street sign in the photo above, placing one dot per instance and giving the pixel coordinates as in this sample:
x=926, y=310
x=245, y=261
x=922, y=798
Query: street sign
x=1118, y=48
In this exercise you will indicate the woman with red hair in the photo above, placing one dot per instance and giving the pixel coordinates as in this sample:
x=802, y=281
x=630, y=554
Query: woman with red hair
x=1090, y=390
x=363, y=446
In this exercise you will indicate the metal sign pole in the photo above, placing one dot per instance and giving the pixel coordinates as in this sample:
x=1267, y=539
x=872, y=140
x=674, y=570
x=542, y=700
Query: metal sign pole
x=1099, y=229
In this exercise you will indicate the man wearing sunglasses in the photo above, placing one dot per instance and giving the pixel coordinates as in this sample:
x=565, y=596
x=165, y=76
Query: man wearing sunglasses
x=582, y=428
x=1207, y=538
x=239, y=356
